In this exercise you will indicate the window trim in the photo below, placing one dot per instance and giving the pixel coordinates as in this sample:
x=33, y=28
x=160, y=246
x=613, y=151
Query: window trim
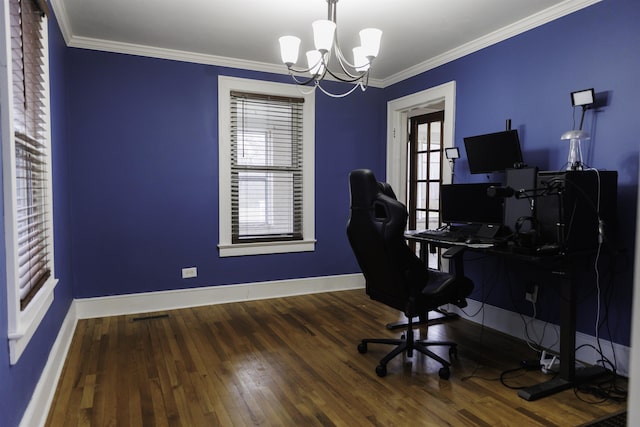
x=22, y=324
x=226, y=248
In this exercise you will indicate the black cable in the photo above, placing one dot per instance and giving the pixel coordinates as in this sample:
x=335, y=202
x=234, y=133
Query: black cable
x=606, y=390
x=503, y=378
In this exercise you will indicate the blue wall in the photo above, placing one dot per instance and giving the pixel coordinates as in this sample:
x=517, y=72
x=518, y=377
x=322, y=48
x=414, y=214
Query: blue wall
x=18, y=381
x=528, y=79
x=135, y=165
x=143, y=160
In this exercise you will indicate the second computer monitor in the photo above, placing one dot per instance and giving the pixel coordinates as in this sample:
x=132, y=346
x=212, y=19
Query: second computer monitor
x=493, y=152
x=469, y=204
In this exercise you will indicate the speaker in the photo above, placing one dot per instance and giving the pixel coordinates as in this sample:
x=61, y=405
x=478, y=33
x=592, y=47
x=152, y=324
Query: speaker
x=576, y=209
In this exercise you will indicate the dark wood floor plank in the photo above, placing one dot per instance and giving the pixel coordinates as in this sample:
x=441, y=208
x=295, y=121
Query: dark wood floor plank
x=293, y=361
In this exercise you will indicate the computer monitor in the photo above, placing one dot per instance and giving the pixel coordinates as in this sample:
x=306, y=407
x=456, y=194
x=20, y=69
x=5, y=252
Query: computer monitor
x=493, y=152
x=469, y=204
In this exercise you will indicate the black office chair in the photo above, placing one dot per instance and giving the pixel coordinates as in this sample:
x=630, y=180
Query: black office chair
x=394, y=275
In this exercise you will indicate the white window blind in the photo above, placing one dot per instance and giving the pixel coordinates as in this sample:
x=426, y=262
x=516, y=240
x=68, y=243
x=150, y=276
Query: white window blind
x=31, y=149
x=266, y=167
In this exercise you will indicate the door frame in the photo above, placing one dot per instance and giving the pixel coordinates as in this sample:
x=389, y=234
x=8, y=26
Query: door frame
x=398, y=112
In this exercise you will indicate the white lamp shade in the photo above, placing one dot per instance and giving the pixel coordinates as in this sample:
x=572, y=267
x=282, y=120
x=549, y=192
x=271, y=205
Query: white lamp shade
x=360, y=61
x=289, y=46
x=575, y=134
x=314, y=59
x=323, y=33
x=370, y=41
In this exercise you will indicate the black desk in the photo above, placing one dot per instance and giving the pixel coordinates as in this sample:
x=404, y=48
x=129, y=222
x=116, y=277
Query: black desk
x=560, y=266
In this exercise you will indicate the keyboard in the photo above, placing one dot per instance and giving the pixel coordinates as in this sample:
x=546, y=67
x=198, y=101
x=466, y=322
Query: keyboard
x=443, y=235
x=454, y=238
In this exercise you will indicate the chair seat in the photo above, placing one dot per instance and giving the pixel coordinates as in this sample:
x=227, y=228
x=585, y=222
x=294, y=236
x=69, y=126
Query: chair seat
x=438, y=280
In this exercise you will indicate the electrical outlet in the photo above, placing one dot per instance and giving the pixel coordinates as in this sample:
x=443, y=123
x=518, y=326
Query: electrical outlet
x=189, y=272
x=532, y=293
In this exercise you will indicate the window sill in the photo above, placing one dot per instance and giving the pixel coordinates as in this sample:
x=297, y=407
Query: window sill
x=29, y=320
x=241, y=249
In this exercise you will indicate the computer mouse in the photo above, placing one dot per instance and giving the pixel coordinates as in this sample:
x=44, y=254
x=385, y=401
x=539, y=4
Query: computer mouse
x=471, y=240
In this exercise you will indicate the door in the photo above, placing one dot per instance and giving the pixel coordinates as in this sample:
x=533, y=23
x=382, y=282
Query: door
x=424, y=174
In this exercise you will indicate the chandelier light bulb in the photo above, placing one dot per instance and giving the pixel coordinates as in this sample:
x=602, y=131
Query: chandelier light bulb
x=360, y=60
x=314, y=59
x=323, y=33
x=370, y=41
x=289, y=46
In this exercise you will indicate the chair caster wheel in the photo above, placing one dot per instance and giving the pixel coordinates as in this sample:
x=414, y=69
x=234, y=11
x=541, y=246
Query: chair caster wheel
x=381, y=370
x=453, y=353
x=444, y=373
x=362, y=348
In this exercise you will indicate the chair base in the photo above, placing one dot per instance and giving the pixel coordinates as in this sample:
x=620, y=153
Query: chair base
x=424, y=319
x=407, y=345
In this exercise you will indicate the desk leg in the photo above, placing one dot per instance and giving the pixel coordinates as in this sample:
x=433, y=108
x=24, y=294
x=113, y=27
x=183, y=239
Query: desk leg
x=567, y=327
x=568, y=376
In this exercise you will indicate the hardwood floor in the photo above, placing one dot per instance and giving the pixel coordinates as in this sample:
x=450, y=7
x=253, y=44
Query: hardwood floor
x=293, y=362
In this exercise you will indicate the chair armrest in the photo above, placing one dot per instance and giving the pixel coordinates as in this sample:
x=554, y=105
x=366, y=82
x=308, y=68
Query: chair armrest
x=454, y=251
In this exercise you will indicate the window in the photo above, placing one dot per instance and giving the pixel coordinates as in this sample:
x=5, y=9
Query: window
x=266, y=149
x=27, y=173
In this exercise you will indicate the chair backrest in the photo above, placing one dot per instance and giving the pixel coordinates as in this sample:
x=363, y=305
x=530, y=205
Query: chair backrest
x=393, y=273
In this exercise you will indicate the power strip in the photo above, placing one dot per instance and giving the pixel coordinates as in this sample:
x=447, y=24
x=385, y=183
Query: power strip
x=549, y=364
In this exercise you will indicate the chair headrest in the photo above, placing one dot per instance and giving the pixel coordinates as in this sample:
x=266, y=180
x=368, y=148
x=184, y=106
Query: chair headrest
x=386, y=189
x=363, y=188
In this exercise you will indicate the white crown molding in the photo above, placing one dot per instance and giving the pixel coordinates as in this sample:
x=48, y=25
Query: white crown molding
x=536, y=20
x=180, y=55
x=550, y=14
x=60, y=12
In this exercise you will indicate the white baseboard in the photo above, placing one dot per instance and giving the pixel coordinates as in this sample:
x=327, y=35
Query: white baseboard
x=183, y=298
x=42, y=397
x=548, y=335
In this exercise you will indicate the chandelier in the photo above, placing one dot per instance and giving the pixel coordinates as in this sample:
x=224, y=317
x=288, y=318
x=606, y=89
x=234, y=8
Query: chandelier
x=326, y=46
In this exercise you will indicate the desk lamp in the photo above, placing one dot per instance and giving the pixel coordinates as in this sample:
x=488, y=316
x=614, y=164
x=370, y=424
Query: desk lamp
x=585, y=99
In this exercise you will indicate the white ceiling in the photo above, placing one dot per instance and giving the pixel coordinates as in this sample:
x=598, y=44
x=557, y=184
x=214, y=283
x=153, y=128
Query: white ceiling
x=417, y=34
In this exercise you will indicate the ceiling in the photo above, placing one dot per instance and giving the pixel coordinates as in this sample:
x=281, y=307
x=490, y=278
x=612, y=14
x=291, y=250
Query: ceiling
x=417, y=34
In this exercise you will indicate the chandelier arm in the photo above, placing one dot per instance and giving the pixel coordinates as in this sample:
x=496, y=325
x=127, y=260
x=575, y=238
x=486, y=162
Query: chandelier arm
x=332, y=15
x=301, y=70
x=334, y=95
x=345, y=69
x=302, y=82
x=306, y=92
x=352, y=78
x=342, y=59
